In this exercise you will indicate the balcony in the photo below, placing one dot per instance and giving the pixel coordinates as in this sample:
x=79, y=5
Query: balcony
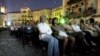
x=89, y=11
x=70, y=2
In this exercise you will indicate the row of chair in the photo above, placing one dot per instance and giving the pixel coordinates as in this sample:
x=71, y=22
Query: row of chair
x=24, y=36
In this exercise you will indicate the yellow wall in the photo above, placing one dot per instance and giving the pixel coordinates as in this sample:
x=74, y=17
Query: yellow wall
x=57, y=12
x=38, y=13
x=26, y=14
x=14, y=17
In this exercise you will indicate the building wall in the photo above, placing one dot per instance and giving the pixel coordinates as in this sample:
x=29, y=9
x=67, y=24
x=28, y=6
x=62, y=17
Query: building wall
x=98, y=7
x=14, y=17
x=64, y=5
x=57, y=12
x=25, y=9
x=97, y=19
x=1, y=20
x=46, y=12
x=91, y=3
x=26, y=14
x=38, y=13
x=4, y=17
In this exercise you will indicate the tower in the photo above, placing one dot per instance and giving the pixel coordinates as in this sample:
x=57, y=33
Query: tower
x=3, y=12
x=3, y=6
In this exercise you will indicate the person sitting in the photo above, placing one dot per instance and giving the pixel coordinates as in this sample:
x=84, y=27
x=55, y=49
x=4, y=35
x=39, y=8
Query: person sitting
x=91, y=28
x=88, y=36
x=16, y=30
x=96, y=26
x=62, y=35
x=83, y=36
x=46, y=35
x=78, y=32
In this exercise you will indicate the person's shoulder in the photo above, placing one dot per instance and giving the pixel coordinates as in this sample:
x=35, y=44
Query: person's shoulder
x=46, y=23
x=39, y=24
x=72, y=25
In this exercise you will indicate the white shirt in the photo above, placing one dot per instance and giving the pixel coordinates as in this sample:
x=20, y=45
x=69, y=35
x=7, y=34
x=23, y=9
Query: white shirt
x=44, y=29
x=16, y=28
x=67, y=26
x=62, y=33
x=12, y=28
x=76, y=28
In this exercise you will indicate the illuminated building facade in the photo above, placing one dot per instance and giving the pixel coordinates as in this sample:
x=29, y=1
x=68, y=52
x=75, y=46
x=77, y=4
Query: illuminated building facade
x=57, y=12
x=14, y=17
x=64, y=5
x=3, y=16
x=37, y=13
x=26, y=14
x=3, y=11
x=75, y=9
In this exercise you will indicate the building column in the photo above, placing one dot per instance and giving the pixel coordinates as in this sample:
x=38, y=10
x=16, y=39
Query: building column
x=98, y=6
x=64, y=5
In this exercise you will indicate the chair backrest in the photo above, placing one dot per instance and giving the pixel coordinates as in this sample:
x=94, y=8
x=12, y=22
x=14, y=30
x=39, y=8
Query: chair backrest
x=28, y=30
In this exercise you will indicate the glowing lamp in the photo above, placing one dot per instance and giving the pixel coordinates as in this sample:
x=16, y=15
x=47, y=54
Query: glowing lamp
x=3, y=9
x=28, y=28
x=62, y=21
x=9, y=23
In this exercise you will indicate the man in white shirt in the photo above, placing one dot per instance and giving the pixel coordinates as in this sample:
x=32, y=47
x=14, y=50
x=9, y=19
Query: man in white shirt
x=45, y=35
x=76, y=28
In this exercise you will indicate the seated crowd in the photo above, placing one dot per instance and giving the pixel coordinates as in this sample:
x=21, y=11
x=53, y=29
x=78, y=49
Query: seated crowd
x=86, y=33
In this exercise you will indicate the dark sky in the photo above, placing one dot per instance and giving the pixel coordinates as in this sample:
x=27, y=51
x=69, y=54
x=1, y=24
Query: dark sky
x=15, y=5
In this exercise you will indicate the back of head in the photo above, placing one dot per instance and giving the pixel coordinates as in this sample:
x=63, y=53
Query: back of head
x=82, y=21
x=92, y=20
x=53, y=21
x=42, y=18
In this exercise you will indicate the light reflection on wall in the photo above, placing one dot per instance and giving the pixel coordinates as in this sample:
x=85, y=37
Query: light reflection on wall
x=8, y=23
x=9, y=20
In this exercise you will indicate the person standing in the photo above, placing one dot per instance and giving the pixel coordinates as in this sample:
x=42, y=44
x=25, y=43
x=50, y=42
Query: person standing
x=45, y=35
x=12, y=30
x=28, y=32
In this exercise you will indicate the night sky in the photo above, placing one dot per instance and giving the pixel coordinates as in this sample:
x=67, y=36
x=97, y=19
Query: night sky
x=15, y=5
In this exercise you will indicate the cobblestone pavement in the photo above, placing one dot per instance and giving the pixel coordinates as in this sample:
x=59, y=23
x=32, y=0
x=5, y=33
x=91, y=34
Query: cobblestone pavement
x=10, y=46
